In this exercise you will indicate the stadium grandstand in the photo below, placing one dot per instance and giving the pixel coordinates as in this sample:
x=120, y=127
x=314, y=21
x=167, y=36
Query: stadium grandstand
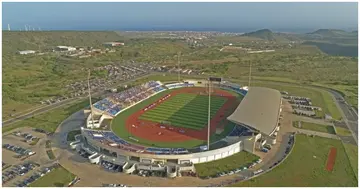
x=115, y=103
x=259, y=111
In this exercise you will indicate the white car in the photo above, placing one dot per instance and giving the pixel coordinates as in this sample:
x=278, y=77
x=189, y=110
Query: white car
x=258, y=171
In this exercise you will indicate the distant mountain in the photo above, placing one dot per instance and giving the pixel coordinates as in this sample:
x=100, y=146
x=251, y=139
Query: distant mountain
x=265, y=34
x=331, y=33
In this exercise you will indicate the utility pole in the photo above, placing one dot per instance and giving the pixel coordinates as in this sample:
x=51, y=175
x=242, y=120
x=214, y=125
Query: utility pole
x=208, y=134
x=179, y=54
x=250, y=75
x=91, y=108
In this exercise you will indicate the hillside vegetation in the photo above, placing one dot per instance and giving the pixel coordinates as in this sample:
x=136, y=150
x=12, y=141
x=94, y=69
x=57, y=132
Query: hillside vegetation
x=39, y=41
x=333, y=33
x=262, y=34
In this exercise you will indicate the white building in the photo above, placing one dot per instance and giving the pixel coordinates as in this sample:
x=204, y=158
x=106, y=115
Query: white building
x=65, y=48
x=113, y=44
x=26, y=52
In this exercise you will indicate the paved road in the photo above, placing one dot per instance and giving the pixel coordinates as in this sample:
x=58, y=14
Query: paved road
x=62, y=103
x=39, y=111
x=312, y=120
x=350, y=116
x=321, y=134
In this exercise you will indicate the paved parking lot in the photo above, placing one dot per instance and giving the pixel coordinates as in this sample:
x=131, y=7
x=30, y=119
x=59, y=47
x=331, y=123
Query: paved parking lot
x=18, y=171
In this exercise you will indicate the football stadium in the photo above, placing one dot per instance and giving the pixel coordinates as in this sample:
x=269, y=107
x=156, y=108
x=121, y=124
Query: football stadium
x=170, y=127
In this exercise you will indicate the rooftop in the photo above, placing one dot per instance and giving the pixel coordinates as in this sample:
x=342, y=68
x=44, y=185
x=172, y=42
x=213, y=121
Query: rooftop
x=259, y=110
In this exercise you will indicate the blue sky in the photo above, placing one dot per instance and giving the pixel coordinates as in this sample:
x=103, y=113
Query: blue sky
x=112, y=15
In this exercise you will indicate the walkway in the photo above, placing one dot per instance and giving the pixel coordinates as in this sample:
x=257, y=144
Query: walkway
x=312, y=120
x=320, y=134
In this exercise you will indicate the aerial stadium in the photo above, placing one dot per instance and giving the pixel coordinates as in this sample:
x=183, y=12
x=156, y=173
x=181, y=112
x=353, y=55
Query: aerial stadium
x=170, y=127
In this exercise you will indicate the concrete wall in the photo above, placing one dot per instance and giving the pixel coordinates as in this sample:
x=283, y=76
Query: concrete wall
x=74, y=144
x=95, y=158
x=249, y=144
x=199, y=157
x=212, y=155
x=171, y=171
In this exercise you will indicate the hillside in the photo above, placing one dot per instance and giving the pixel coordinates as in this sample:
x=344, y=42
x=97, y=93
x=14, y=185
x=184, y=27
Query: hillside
x=14, y=41
x=332, y=33
x=265, y=34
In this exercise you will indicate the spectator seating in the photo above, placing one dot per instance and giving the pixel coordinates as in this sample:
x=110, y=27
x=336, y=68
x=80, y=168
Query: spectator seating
x=238, y=131
x=234, y=87
x=110, y=138
x=179, y=85
x=117, y=102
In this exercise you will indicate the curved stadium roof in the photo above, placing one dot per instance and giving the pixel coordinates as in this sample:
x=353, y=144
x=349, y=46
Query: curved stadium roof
x=260, y=110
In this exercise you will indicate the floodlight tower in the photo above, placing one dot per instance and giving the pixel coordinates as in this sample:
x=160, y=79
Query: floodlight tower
x=208, y=131
x=179, y=54
x=249, y=75
x=91, y=108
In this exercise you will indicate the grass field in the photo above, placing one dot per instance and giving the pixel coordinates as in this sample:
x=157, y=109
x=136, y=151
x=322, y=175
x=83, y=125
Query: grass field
x=305, y=167
x=59, y=177
x=343, y=132
x=352, y=152
x=50, y=154
x=34, y=142
x=71, y=135
x=48, y=144
x=185, y=110
x=49, y=121
x=229, y=163
x=118, y=126
x=316, y=127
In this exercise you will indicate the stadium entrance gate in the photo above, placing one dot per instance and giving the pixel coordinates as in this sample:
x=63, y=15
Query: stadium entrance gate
x=175, y=161
x=137, y=159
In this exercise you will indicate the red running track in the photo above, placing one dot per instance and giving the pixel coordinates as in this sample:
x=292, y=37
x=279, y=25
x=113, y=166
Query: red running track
x=150, y=130
x=331, y=159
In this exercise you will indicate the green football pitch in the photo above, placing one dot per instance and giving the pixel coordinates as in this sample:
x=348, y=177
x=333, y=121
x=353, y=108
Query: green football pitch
x=185, y=110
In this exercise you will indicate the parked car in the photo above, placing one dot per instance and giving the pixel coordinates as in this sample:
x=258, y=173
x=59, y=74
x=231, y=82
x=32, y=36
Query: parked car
x=265, y=150
x=259, y=161
x=258, y=171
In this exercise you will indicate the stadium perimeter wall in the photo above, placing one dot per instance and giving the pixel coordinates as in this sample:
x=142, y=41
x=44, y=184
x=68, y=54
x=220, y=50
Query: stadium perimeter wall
x=200, y=157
